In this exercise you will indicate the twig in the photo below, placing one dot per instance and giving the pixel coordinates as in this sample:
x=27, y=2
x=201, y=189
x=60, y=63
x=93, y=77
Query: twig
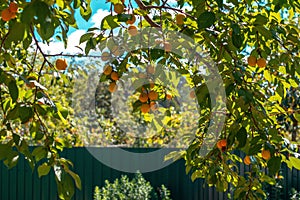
x=72, y=55
x=3, y=40
x=34, y=57
x=163, y=6
x=39, y=48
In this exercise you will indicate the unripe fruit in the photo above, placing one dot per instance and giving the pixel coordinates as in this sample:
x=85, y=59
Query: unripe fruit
x=261, y=62
x=153, y=95
x=251, y=61
x=145, y=108
x=132, y=30
x=114, y=76
x=179, y=19
x=247, y=160
x=132, y=20
x=61, y=64
x=143, y=97
x=112, y=87
x=107, y=70
x=118, y=8
x=266, y=154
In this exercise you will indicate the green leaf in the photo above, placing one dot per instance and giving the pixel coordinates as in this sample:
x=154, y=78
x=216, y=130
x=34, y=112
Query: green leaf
x=297, y=116
x=63, y=111
x=221, y=186
x=295, y=162
x=91, y=44
x=188, y=169
x=254, y=149
x=156, y=53
x=12, y=159
x=174, y=155
x=85, y=12
x=46, y=30
x=202, y=93
x=16, y=139
x=43, y=169
x=260, y=20
x=42, y=11
x=195, y=175
x=62, y=118
x=264, y=32
x=76, y=4
x=109, y=22
x=237, y=40
x=26, y=42
x=268, y=76
x=241, y=136
x=236, y=29
x=40, y=109
x=65, y=187
x=39, y=153
x=268, y=179
x=14, y=113
x=60, y=3
x=4, y=149
x=13, y=90
x=28, y=13
x=17, y=32
x=25, y=114
x=24, y=149
x=76, y=179
x=124, y=17
x=206, y=20
x=85, y=37
x=274, y=165
x=220, y=4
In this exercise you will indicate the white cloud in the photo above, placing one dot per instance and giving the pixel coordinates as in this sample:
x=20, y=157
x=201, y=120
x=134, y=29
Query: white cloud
x=73, y=38
x=58, y=47
x=97, y=18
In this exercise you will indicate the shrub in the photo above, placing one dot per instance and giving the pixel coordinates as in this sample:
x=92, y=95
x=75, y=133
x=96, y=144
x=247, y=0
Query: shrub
x=295, y=195
x=136, y=189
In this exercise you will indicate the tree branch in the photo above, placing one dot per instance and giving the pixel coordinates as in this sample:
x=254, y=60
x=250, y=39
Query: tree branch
x=142, y=6
x=3, y=40
x=72, y=55
x=39, y=48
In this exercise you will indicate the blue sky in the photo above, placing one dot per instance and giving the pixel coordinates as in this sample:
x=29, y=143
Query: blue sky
x=100, y=9
x=95, y=5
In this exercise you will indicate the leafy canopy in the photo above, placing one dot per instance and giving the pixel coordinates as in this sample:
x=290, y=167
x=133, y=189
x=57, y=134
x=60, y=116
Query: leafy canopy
x=36, y=96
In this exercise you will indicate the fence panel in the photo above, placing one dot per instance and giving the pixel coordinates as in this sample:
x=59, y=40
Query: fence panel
x=21, y=183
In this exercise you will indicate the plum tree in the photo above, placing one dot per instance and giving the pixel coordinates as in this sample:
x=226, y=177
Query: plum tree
x=254, y=46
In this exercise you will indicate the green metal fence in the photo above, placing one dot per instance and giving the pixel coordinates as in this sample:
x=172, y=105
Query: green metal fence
x=20, y=183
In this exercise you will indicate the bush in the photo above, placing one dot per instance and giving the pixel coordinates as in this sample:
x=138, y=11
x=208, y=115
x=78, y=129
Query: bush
x=295, y=195
x=136, y=189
